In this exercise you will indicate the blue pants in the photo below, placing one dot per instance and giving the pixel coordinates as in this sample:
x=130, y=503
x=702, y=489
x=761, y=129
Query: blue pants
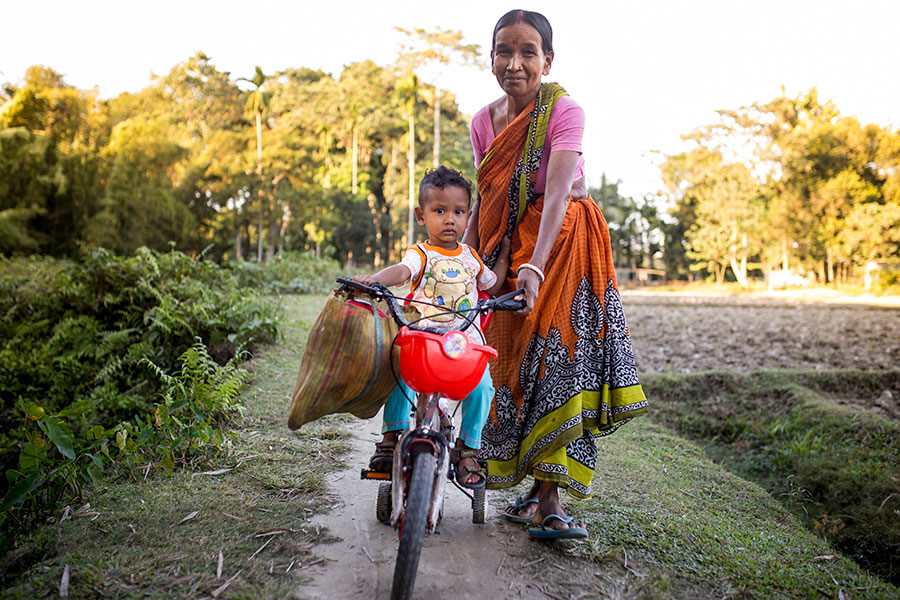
x=475, y=409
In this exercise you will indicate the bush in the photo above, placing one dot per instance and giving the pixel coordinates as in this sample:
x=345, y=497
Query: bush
x=289, y=273
x=87, y=349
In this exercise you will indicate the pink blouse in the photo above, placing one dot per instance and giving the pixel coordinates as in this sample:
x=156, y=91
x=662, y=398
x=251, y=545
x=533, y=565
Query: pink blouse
x=564, y=132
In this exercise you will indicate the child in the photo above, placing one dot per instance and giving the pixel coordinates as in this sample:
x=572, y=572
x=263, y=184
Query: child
x=447, y=275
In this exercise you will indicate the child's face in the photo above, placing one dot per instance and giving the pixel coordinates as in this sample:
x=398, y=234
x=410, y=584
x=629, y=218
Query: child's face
x=444, y=213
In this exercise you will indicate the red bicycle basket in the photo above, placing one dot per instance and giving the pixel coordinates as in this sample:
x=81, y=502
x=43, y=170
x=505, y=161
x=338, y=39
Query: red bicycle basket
x=448, y=364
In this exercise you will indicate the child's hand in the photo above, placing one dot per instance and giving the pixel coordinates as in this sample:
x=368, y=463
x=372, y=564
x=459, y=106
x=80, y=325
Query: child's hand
x=365, y=279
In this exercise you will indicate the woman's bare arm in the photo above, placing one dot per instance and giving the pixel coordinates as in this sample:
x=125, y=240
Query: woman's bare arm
x=470, y=236
x=500, y=267
x=560, y=171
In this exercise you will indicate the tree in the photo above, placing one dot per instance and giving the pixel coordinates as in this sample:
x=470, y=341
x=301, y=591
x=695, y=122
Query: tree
x=436, y=50
x=139, y=206
x=408, y=90
x=810, y=184
x=256, y=105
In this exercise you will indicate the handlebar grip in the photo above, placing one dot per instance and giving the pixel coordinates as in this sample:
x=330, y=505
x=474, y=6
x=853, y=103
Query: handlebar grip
x=369, y=289
x=508, y=301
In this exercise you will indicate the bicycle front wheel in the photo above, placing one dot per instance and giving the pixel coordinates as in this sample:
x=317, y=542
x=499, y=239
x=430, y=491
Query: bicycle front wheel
x=417, y=502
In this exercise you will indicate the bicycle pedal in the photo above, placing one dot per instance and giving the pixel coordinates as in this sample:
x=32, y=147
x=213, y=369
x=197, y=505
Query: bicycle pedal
x=374, y=475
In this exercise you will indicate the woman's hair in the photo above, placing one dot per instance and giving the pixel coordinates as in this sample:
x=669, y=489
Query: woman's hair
x=442, y=177
x=536, y=20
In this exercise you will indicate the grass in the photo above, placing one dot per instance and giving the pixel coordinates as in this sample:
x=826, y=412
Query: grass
x=135, y=539
x=812, y=439
x=690, y=528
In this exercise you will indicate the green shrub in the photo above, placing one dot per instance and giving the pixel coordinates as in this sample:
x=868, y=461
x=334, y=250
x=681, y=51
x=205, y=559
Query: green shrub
x=57, y=459
x=76, y=344
x=289, y=273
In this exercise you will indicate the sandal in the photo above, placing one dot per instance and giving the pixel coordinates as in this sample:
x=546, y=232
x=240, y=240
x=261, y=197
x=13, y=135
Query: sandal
x=383, y=459
x=546, y=532
x=515, y=506
x=463, y=472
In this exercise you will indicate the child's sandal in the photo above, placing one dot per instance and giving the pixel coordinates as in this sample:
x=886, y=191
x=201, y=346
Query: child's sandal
x=464, y=472
x=383, y=459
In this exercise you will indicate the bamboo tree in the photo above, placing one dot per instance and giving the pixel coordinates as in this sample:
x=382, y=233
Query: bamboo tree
x=409, y=89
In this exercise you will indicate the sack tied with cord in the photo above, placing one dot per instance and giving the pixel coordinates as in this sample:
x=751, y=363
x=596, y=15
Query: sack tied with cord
x=346, y=365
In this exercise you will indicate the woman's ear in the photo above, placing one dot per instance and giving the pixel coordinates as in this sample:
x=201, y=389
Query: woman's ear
x=548, y=61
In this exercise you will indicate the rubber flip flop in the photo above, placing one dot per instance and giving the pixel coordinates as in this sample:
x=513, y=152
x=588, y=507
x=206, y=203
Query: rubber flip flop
x=518, y=504
x=548, y=533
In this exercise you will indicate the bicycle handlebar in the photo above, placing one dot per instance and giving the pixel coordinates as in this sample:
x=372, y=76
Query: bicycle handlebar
x=376, y=291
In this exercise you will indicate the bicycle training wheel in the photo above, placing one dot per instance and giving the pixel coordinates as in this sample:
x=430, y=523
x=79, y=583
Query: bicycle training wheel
x=478, y=506
x=413, y=535
x=383, y=503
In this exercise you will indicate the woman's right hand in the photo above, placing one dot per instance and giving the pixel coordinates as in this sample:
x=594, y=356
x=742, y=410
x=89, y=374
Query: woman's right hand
x=529, y=280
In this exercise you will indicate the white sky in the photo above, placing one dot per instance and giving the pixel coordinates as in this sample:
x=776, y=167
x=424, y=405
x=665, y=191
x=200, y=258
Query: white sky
x=644, y=71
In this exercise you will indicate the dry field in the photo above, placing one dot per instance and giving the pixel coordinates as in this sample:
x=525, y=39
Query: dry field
x=689, y=333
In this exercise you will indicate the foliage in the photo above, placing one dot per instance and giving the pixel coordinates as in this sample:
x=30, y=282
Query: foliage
x=182, y=161
x=77, y=340
x=288, y=273
x=636, y=231
x=788, y=183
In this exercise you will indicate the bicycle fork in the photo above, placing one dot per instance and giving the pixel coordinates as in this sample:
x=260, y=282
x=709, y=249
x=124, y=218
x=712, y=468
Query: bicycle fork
x=424, y=438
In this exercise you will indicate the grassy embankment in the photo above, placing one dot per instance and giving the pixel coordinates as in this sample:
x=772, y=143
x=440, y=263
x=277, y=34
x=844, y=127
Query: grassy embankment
x=690, y=527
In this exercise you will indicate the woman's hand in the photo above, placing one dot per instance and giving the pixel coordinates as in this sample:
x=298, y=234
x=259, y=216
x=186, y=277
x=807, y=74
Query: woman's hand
x=529, y=280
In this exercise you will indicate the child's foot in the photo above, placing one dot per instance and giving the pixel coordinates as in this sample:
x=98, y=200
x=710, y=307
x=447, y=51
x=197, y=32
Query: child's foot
x=468, y=471
x=383, y=459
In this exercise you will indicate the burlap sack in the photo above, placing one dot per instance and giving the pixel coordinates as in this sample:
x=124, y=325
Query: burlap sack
x=346, y=365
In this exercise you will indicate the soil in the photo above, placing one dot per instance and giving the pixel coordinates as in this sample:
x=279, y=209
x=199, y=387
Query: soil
x=689, y=333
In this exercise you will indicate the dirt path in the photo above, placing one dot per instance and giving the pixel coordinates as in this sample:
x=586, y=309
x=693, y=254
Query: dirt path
x=474, y=561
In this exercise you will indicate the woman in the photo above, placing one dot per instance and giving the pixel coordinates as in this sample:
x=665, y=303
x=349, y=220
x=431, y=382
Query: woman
x=565, y=373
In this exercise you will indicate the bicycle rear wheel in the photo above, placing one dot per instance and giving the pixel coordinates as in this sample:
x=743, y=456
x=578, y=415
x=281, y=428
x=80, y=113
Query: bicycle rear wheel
x=417, y=502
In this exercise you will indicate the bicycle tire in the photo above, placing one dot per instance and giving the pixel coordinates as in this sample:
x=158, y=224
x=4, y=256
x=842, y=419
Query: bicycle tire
x=410, y=548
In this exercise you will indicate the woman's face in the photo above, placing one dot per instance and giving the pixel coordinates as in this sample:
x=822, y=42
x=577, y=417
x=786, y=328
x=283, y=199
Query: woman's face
x=518, y=60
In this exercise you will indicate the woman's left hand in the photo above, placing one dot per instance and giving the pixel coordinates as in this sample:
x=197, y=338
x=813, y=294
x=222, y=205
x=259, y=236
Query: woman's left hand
x=529, y=280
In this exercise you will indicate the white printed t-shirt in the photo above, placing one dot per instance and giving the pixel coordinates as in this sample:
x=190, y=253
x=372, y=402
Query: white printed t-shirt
x=448, y=279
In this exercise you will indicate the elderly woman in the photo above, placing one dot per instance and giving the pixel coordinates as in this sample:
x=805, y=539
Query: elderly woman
x=566, y=371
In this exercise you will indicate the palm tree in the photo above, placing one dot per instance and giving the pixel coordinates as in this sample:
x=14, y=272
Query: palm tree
x=257, y=103
x=408, y=90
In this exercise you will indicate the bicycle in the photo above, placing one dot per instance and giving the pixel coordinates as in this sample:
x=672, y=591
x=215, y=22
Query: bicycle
x=438, y=364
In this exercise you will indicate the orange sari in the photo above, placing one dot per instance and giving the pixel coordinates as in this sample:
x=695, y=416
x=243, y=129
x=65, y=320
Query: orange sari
x=565, y=374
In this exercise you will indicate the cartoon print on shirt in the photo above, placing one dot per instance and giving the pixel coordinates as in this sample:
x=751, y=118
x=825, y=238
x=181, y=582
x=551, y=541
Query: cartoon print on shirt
x=446, y=285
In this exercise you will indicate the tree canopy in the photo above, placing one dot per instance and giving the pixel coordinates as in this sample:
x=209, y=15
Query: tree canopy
x=300, y=160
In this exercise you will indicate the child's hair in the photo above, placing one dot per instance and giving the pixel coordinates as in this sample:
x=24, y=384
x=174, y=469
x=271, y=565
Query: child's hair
x=442, y=177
